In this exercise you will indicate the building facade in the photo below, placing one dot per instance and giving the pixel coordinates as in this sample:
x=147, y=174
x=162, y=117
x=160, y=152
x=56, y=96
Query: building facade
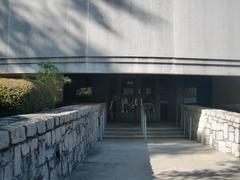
x=128, y=52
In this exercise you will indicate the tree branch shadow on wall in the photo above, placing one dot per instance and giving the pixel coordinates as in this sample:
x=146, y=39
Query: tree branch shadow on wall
x=58, y=28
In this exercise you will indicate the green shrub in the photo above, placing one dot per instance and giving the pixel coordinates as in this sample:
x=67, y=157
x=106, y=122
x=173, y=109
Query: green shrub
x=50, y=77
x=18, y=96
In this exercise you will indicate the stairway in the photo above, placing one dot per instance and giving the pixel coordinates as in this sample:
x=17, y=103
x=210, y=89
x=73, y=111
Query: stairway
x=136, y=133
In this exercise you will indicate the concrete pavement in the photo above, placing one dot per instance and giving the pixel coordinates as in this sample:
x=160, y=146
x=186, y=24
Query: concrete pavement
x=156, y=159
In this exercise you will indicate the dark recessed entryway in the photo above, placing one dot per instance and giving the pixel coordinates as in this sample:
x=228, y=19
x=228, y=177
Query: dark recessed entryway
x=161, y=95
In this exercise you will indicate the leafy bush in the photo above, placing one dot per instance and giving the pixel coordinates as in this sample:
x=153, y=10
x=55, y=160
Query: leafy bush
x=19, y=96
x=50, y=77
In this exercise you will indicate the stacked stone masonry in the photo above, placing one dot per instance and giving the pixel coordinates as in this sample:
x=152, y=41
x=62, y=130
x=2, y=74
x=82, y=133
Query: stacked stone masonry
x=48, y=145
x=217, y=128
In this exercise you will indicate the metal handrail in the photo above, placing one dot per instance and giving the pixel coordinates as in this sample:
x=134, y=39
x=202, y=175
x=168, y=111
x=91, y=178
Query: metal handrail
x=144, y=122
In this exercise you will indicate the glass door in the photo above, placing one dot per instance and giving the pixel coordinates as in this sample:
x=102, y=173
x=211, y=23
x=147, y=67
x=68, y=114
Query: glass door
x=148, y=96
x=132, y=95
x=129, y=101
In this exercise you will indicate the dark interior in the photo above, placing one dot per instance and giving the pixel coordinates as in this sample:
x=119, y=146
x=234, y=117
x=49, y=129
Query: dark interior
x=125, y=94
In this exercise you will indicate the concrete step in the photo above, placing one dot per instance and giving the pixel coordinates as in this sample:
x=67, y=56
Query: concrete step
x=139, y=129
x=123, y=129
x=126, y=133
x=140, y=132
x=141, y=136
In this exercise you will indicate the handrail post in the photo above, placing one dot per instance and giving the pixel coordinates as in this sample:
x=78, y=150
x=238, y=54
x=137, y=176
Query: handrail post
x=184, y=123
x=190, y=128
x=181, y=117
x=141, y=118
x=144, y=122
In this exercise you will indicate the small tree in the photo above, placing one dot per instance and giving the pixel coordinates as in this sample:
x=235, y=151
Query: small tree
x=50, y=76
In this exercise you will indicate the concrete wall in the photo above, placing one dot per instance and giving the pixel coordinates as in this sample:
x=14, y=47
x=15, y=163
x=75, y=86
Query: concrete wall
x=121, y=36
x=133, y=28
x=43, y=28
x=86, y=28
x=49, y=145
x=217, y=128
x=207, y=29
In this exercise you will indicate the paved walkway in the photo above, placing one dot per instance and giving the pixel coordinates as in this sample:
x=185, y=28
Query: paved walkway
x=156, y=159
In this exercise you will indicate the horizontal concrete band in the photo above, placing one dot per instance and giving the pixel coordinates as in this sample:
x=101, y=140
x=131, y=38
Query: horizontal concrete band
x=124, y=59
x=137, y=65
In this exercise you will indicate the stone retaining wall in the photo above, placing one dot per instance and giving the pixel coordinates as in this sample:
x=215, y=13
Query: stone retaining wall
x=48, y=145
x=218, y=128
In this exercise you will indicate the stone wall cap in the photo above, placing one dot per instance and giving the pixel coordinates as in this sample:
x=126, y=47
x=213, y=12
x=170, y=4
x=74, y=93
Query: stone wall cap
x=234, y=116
x=20, y=127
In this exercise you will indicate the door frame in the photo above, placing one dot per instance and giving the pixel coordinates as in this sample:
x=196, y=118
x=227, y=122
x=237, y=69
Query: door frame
x=138, y=98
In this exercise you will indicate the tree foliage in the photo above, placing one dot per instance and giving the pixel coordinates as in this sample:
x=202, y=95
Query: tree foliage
x=50, y=76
